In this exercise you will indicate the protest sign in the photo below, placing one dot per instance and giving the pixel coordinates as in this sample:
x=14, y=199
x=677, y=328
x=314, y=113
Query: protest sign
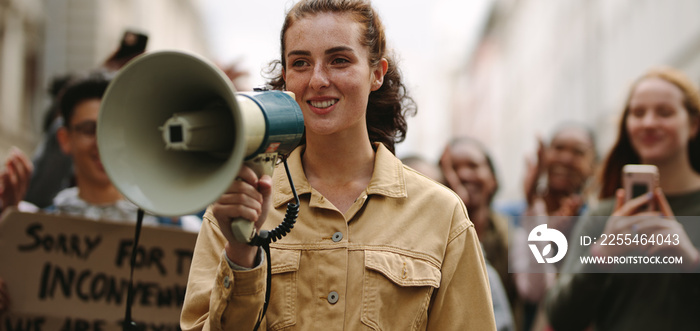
x=67, y=273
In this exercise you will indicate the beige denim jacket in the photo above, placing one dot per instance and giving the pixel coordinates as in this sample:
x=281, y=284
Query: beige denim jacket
x=404, y=257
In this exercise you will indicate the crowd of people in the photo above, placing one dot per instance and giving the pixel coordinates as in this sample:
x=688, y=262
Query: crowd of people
x=659, y=126
x=407, y=244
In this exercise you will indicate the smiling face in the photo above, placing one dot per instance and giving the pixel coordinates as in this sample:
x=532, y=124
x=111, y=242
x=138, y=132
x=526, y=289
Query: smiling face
x=327, y=68
x=474, y=173
x=570, y=158
x=658, y=124
x=79, y=141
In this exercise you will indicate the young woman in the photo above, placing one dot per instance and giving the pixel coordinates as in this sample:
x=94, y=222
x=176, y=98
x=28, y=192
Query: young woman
x=659, y=126
x=376, y=245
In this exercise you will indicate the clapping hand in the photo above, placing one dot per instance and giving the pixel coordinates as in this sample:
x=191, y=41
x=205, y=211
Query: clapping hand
x=14, y=178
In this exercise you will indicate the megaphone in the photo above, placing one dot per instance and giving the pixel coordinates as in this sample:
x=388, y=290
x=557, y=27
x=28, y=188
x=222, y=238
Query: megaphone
x=172, y=133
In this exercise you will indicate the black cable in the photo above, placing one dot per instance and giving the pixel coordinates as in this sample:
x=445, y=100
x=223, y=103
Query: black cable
x=290, y=218
x=129, y=324
x=265, y=237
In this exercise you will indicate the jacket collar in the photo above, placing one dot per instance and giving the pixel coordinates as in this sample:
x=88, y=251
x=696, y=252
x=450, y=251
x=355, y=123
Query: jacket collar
x=387, y=179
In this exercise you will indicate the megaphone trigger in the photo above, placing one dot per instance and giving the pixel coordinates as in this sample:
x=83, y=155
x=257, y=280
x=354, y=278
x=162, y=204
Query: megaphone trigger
x=243, y=230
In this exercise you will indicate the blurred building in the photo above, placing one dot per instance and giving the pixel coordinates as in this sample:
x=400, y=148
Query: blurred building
x=540, y=63
x=43, y=39
x=21, y=37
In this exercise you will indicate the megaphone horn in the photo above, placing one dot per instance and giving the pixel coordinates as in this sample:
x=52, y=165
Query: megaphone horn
x=173, y=132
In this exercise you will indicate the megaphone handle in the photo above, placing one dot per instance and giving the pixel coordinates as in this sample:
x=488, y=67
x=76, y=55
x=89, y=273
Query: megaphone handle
x=263, y=164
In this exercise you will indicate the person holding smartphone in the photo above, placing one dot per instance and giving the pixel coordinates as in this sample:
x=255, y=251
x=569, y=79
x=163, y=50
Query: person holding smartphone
x=376, y=244
x=659, y=127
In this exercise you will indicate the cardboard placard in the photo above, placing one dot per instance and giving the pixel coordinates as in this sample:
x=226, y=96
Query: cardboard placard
x=67, y=273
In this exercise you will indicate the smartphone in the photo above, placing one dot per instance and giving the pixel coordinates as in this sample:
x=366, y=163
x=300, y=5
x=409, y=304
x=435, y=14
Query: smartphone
x=133, y=43
x=639, y=179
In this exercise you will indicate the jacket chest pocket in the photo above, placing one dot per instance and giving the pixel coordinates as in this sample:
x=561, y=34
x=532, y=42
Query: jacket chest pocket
x=283, y=292
x=396, y=291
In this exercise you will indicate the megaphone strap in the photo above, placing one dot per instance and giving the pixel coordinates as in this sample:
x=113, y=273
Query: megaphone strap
x=129, y=324
x=290, y=218
x=268, y=282
x=266, y=237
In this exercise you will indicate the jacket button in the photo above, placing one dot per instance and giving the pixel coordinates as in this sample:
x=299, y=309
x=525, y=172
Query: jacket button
x=333, y=297
x=338, y=236
x=227, y=282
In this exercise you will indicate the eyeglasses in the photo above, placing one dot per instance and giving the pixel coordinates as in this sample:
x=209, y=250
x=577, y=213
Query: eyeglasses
x=86, y=128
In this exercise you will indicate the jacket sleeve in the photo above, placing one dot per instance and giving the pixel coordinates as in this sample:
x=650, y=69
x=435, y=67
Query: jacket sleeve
x=463, y=301
x=217, y=297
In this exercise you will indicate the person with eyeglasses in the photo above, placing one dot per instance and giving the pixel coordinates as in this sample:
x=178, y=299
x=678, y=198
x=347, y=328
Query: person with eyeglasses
x=94, y=195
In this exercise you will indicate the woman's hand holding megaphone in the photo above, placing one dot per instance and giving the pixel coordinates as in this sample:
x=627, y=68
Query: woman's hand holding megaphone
x=248, y=197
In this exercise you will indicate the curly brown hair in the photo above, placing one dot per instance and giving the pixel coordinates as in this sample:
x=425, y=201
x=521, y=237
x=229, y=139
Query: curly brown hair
x=388, y=106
